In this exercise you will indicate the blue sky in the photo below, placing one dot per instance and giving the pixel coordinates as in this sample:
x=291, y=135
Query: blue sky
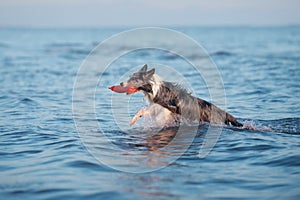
x=95, y=13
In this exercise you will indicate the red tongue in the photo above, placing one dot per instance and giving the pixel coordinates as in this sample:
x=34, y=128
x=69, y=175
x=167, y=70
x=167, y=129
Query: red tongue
x=120, y=89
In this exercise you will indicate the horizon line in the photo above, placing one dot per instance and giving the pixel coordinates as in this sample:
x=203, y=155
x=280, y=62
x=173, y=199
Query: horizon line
x=140, y=26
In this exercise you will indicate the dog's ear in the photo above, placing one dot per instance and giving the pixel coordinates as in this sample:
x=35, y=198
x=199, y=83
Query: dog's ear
x=149, y=74
x=144, y=68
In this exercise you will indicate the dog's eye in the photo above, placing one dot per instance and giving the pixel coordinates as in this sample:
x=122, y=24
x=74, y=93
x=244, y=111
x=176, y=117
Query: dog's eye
x=134, y=78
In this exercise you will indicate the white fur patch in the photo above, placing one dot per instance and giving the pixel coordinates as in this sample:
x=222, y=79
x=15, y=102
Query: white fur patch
x=157, y=116
x=156, y=82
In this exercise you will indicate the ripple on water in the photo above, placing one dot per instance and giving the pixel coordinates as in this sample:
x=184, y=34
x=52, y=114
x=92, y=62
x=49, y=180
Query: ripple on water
x=42, y=156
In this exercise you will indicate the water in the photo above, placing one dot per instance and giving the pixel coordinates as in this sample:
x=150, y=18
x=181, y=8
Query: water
x=43, y=157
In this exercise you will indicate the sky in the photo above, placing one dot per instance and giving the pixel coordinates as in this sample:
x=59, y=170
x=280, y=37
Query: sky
x=96, y=13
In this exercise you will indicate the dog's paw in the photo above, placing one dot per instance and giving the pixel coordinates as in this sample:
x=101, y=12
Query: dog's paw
x=133, y=120
x=140, y=113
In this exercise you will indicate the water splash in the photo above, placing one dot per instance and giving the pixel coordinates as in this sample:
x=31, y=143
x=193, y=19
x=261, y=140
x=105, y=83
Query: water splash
x=285, y=125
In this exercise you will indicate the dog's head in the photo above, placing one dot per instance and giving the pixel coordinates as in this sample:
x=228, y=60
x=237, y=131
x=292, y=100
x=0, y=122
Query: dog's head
x=141, y=80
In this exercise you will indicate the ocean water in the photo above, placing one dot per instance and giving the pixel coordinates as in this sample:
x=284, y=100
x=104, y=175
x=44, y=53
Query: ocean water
x=43, y=154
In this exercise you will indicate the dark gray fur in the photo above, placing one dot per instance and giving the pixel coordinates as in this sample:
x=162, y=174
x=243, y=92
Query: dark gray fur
x=179, y=101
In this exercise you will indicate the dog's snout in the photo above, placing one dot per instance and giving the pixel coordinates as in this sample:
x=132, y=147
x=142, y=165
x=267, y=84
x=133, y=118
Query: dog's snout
x=122, y=84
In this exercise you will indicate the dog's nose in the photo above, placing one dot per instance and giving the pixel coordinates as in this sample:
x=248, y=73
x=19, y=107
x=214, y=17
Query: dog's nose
x=122, y=84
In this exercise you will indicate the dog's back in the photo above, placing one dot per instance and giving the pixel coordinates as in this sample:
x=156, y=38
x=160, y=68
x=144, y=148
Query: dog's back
x=211, y=113
x=181, y=102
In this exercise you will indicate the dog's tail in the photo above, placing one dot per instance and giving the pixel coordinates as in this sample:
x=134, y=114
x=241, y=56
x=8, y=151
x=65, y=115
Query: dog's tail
x=232, y=120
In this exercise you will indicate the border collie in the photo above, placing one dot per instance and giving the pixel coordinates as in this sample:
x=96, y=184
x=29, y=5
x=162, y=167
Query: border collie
x=170, y=104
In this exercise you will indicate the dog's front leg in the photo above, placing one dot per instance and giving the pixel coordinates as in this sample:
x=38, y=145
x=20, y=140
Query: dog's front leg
x=140, y=113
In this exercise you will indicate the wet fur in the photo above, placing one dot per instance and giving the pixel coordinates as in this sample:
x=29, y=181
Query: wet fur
x=177, y=100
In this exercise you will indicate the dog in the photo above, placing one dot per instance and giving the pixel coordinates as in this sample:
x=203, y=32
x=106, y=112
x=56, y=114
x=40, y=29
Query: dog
x=171, y=104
